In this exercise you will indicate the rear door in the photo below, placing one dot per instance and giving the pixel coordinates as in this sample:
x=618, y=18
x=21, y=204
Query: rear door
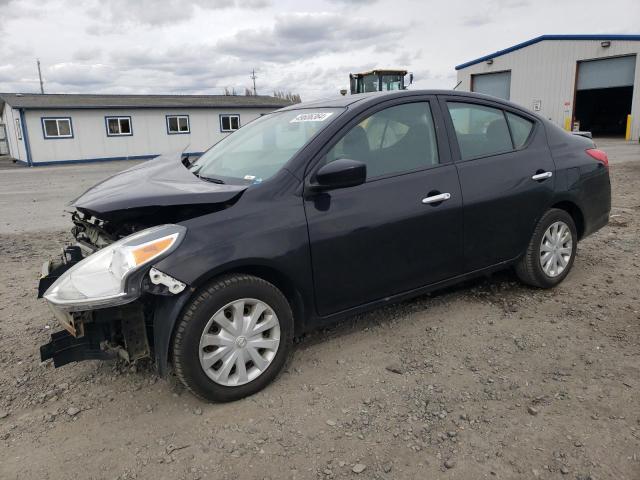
x=382, y=238
x=506, y=175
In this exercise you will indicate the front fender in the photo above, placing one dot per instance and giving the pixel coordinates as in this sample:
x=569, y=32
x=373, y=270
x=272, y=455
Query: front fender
x=166, y=313
x=169, y=308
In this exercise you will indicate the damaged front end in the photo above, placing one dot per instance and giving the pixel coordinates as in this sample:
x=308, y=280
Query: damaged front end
x=99, y=335
x=104, y=291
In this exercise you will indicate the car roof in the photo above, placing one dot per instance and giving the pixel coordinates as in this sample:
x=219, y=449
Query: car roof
x=342, y=101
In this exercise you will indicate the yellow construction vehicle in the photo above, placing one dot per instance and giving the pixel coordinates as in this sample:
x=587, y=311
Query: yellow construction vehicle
x=379, y=80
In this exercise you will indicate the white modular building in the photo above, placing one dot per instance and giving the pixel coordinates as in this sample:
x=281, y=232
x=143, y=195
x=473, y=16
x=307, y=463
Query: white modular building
x=45, y=129
x=581, y=82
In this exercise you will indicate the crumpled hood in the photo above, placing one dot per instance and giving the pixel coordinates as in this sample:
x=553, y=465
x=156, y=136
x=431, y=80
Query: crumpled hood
x=160, y=182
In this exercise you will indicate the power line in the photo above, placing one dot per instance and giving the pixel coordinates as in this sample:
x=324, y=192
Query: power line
x=253, y=77
x=40, y=76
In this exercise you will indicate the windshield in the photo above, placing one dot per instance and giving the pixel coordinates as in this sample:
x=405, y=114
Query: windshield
x=392, y=82
x=258, y=150
x=369, y=83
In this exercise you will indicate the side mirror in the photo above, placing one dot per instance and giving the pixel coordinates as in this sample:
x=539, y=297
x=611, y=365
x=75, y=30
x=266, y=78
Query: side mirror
x=186, y=160
x=340, y=173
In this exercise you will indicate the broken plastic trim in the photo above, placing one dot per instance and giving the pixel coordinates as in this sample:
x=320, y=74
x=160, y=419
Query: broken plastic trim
x=65, y=348
x=159, y=278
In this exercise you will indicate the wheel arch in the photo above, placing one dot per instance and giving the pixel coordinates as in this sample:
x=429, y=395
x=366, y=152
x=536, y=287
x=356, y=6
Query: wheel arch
x=166, y=315
x=576, y=214
x=282, y=282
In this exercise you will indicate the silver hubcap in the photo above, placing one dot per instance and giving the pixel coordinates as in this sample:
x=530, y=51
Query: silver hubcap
x=239, y=342
x=556, y=249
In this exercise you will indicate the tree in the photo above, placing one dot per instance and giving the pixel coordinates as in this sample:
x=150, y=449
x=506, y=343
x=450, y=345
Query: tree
x=292, y=97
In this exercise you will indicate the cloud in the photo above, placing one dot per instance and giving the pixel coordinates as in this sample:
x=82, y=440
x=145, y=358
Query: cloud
x=492, y=12
x=78, y=75
x=87, y=54
x=408, y=57
x=477, y=20
x=12, y=10
x=196, y=59
x=200, y=46
x=354, y=2
x=513, y=3
x=7, y=73
x=296, y=36
x=253, y=3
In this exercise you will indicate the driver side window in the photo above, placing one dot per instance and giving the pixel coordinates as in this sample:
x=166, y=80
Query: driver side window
x=395, y=140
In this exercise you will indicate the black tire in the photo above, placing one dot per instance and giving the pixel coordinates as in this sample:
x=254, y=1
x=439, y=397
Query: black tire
x=201, y=308
x=528, y=268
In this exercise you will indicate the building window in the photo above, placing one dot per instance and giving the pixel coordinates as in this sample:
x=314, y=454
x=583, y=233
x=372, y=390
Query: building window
x=118, y=126
x=178, y=124
x=57, y=127
x=229, y=123
x=18, y=129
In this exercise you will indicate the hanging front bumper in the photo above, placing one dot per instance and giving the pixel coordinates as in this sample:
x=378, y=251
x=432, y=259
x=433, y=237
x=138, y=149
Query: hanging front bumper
x=65, y=348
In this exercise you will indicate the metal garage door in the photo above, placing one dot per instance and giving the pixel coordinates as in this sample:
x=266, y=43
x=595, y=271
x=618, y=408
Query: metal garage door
x=606, y=73
x=495, y=84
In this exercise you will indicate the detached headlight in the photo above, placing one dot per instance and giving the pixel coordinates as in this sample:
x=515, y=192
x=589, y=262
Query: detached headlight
x=108, y=277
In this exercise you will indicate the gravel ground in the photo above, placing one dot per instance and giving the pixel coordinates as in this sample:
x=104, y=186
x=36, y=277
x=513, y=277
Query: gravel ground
x=486, y=380
x=34, y=199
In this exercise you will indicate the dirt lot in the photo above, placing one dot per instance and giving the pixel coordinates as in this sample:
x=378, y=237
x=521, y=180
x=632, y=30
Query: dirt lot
x=487, y=380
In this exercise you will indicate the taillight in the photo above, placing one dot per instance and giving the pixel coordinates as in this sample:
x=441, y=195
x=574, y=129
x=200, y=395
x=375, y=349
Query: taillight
x=599, y=155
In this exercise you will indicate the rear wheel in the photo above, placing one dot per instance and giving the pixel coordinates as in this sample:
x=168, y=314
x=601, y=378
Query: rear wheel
x=551, y=250
x=233, y=338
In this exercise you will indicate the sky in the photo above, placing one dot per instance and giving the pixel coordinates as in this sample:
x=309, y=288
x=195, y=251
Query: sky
x=305, y=47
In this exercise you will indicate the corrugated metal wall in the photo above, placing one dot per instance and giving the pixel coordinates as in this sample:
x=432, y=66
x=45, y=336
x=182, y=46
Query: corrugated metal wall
x=16, y=145
x=90, y=141
x=545, y=73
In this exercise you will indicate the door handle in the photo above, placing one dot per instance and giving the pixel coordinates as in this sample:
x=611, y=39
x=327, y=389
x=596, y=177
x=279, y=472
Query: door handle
x=441, y=197
x=542, y=176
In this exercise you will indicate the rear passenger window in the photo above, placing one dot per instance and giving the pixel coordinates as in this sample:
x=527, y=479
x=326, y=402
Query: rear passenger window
x=480, y=130
x=520, y=129
x=395, y=140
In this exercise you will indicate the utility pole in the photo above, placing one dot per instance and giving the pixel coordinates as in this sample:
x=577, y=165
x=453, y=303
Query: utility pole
x=40, y=76
x=253, y=77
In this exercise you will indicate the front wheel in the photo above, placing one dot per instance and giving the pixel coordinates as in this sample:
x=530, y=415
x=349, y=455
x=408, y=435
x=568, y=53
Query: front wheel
x=551, y=250
x=233, y=338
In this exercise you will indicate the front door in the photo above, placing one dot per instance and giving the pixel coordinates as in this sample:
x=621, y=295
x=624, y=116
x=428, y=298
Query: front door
x=393, y=233
x=506, y=174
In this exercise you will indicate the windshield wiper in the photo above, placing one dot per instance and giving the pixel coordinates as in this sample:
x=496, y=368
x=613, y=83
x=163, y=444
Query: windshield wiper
x=210, y=179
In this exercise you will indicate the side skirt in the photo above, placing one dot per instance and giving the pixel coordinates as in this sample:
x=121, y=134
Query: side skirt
x=335, y=317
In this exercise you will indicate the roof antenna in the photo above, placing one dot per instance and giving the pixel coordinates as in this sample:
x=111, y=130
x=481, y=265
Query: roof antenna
x=40, y=76
x=457, y=85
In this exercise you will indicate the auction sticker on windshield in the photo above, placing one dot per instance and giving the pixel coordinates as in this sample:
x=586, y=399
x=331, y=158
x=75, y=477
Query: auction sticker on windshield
x=312, y=117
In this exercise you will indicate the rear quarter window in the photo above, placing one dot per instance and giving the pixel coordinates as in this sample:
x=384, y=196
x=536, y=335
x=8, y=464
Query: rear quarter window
x=480, y=130
x=520, y=129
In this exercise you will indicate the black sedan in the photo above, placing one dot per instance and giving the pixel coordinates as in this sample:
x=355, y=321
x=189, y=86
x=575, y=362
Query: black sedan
x=311, y=214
